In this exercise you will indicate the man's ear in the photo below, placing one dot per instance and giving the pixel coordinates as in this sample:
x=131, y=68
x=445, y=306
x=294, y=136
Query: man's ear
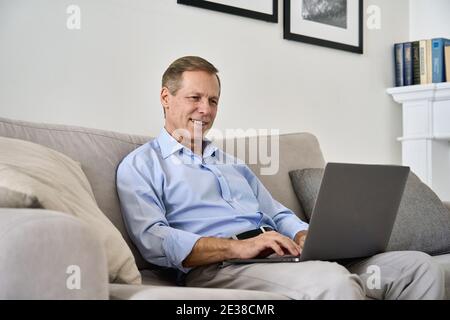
x=164, y=97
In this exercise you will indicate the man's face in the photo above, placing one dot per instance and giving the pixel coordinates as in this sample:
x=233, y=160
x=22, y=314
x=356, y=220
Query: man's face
x=194, y=106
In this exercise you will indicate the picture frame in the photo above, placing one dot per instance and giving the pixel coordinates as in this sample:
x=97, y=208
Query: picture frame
x=336, y=24
x=266, y=10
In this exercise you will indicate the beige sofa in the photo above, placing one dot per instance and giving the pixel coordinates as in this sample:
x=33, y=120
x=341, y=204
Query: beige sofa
x=37, y=244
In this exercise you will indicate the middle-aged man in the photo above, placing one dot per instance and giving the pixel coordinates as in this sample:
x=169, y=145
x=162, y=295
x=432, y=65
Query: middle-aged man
x=184, y=201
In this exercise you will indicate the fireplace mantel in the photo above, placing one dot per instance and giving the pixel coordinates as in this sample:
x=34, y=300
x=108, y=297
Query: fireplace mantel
x=426, y=133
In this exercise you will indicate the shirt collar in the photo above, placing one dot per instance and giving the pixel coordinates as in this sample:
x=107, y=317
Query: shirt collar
x=169, y=145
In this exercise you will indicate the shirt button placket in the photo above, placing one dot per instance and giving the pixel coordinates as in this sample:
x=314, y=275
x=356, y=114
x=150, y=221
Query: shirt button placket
x=226, y=194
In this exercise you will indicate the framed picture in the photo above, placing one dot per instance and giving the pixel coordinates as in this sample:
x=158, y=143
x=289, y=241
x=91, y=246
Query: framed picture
x=330, y=23
x=266, y=10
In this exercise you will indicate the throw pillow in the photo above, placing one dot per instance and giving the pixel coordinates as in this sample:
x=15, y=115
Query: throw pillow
x=422, y=223
x=58, y=183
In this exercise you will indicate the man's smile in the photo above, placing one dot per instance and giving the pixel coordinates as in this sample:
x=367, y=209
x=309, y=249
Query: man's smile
x=198, y=122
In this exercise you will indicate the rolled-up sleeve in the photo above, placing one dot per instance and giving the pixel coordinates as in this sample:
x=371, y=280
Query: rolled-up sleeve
x=286, y=221
x=140, y=194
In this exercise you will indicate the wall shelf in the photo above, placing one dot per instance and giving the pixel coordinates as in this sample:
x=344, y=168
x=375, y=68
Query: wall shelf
x=426, y=133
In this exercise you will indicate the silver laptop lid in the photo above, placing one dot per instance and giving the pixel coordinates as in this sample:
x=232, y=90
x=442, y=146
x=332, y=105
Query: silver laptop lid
x=355, y=211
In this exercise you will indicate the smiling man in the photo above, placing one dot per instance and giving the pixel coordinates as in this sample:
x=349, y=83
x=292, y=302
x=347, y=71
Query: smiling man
x=190, y=109
x=189, y=206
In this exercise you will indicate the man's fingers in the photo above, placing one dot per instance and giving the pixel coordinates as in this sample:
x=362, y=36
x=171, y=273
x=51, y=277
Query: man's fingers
x=275, y=247
x=277, y=242
x=290, y=245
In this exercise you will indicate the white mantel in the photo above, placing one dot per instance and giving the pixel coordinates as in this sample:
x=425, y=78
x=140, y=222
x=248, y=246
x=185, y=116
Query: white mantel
x=426, y=133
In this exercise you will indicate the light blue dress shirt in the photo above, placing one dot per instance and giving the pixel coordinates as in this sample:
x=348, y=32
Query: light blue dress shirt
x=171, y=197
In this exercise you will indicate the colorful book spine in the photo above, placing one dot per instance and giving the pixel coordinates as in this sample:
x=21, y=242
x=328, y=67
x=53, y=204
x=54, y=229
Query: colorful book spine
x=438, y=46
x=398, y=60
x=429, y=62
x=423, y=61
x=447, y=62
x=407, y=63
x=416, y=62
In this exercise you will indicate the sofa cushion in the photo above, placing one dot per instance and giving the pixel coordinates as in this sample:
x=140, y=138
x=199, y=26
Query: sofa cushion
x=306, y=184
x=98, y=151
x=59, y=184
x=422, y=223
x=15, y=199
x=152, y=292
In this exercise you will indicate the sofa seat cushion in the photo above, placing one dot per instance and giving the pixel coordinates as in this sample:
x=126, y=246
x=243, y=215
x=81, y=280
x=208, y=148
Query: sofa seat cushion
x=58, y=183
x=422, y=223
x=149, y=292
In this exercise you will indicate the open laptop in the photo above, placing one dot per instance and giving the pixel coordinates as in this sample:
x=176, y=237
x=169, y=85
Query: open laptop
x=353, y=215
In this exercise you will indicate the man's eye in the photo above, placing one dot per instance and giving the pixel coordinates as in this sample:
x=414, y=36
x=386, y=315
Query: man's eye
x=195, y=98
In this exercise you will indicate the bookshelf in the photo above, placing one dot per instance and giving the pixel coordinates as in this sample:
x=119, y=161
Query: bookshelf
x=426, y=133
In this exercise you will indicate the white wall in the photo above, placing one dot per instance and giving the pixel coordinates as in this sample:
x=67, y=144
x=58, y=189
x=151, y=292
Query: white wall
x=429, y=19
x=107, y=75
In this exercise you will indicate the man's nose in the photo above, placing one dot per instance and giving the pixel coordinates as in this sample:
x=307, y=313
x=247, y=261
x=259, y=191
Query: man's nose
x=204, y=107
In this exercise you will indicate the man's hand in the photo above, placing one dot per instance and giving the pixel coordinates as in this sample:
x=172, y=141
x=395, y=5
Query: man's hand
x=300, y=238
x=212, y=250
x=266, y=244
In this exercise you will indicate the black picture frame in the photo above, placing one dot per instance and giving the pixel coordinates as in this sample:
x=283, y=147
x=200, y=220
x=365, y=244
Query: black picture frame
x=235, y=10
x=289, y=35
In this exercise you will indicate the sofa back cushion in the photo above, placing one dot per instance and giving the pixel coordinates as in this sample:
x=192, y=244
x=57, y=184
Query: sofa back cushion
x=99, y=152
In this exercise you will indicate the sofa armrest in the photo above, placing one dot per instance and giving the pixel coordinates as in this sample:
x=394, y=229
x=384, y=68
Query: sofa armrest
x=49, y=255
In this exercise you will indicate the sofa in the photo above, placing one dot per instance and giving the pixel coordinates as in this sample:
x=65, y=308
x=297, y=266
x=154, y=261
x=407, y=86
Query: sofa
x=38, y=243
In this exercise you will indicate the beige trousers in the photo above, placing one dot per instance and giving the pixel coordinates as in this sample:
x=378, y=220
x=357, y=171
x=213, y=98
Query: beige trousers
x=391, y=275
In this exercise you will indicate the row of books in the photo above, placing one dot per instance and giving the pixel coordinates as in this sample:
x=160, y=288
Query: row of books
x=422, y=62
